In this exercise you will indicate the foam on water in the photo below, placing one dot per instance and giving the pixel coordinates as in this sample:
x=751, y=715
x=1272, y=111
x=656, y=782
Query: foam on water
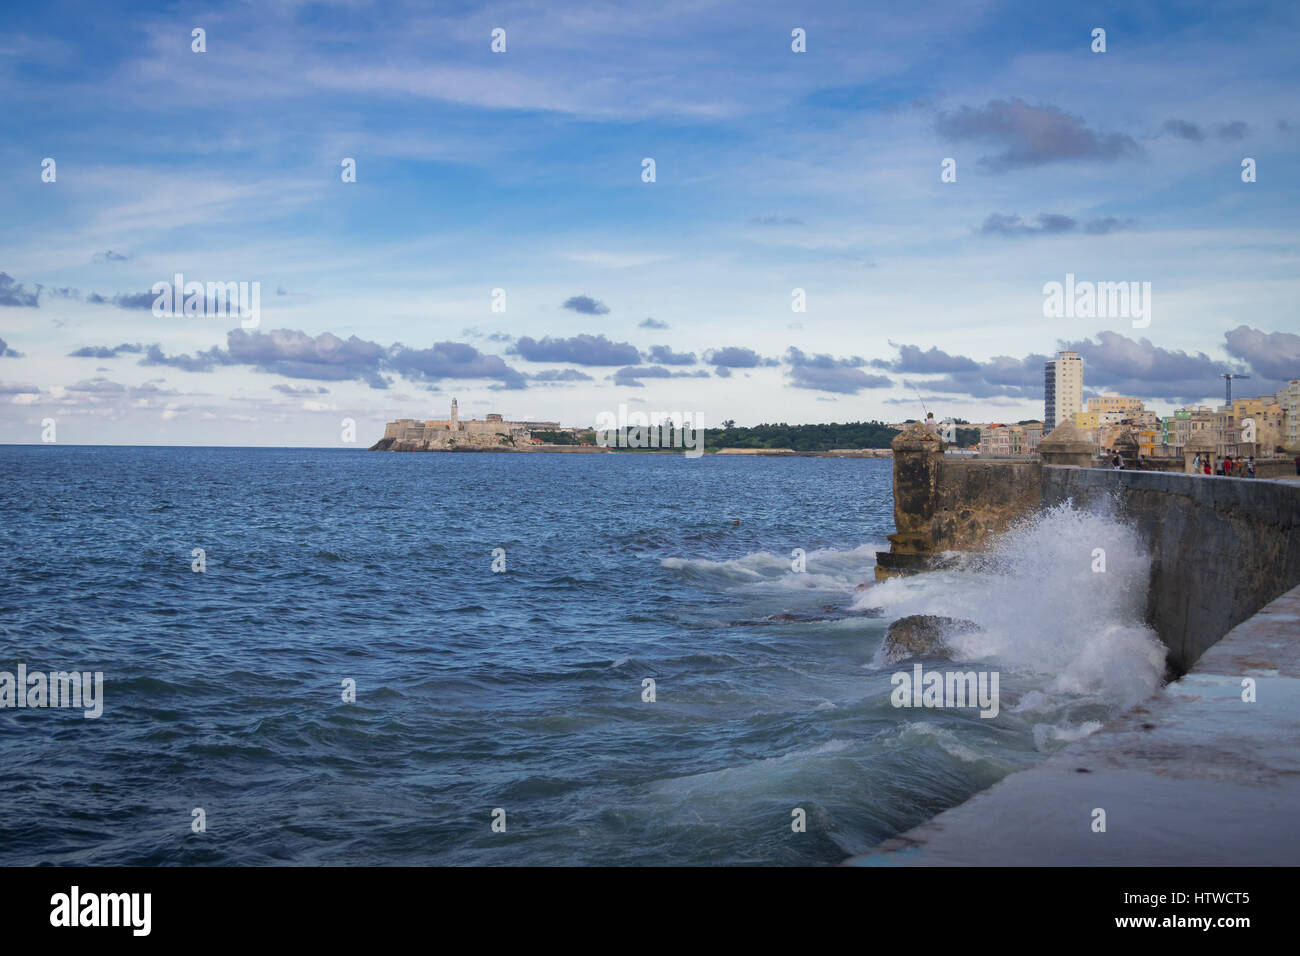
x=1045, y=607
x=826, y=569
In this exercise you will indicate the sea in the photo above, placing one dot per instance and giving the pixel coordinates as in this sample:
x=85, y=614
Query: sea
x=340, y=657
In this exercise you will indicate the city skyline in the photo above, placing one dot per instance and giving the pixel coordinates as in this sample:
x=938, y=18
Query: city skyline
x=524, y=171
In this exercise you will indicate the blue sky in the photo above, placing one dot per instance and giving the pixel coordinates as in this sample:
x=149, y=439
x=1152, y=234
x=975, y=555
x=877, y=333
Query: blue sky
x=521, y=171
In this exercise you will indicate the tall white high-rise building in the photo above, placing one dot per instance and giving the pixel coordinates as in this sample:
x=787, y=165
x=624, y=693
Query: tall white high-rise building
x=1062, y=390
x=1289, y=398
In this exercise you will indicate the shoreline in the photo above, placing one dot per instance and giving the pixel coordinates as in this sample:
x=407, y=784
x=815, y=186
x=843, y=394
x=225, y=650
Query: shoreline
x=884, y=454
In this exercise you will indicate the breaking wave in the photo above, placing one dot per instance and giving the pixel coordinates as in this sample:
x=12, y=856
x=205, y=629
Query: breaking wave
x=1061, y=595
x=825, y=569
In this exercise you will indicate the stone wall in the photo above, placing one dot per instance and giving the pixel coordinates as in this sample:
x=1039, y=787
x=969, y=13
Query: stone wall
x=980, y=499
x=1222, y=548
x=946, y=503
x=407, y=434
x=1264, y=467
x=1275, y=468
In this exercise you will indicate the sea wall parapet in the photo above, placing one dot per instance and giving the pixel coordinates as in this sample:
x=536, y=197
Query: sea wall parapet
x=1221, y=548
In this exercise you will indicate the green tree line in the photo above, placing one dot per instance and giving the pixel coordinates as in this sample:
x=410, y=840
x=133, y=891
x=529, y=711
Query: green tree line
x=802, y=437
x=821, y=437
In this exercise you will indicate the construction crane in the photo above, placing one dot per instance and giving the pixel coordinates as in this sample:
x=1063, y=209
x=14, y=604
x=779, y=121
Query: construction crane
x=1228, y=377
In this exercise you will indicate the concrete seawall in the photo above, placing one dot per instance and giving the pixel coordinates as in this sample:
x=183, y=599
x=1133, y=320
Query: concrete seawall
x=1222, y=548
x=1207, y=771
x=1199, y=775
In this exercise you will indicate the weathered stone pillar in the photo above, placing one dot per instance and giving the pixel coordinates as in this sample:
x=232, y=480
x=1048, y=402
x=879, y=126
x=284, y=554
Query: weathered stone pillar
x=918, y=453
x=1126, y=444
x=1066, y=446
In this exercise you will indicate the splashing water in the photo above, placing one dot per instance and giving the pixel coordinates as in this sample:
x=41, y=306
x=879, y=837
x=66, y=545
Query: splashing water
x=1060, y=594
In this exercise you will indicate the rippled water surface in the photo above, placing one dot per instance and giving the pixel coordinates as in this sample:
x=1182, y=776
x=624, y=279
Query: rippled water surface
x=520, y=690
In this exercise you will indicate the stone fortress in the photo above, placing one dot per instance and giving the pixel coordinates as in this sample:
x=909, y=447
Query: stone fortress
x=452, y=434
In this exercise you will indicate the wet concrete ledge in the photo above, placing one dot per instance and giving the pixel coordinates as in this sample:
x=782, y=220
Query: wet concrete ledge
x=1194, y=776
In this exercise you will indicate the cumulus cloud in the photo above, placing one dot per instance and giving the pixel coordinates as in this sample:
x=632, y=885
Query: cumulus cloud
x=448, y=360
x=931, y=361
x=561, y=375
x=776, y=221
x=204, y=361
x=1000, y=377
x=664, y=355
x=111, y=256
x=651, y=323
x=1275, y=355
x=7, y=352
x=580, y=350
x=1032, y=135
x=328, y=358
x=586, y=305
x=629, y=377
x=736, y=357
x=824, y=373
x=103, y=352
x=294, y=354
x=15, y=294
x=134, y=300
x=1137, y=367
x=1112, y=363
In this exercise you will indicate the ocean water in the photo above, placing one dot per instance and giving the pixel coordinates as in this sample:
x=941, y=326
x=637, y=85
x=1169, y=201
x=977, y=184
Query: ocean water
x=522, y=690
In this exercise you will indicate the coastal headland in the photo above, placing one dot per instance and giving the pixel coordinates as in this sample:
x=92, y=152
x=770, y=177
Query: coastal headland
x=496, y=434
x=493, y=433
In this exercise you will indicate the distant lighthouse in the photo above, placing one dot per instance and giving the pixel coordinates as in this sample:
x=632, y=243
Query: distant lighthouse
x=455, y=416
